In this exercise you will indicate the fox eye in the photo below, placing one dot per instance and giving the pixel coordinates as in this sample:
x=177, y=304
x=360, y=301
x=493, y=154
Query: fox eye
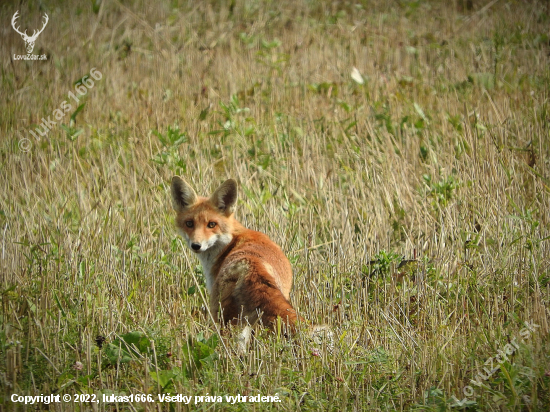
x=211, y=225
x=189, y=223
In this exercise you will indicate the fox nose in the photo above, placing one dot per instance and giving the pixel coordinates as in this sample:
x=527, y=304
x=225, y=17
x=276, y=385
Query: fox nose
x=195, y=246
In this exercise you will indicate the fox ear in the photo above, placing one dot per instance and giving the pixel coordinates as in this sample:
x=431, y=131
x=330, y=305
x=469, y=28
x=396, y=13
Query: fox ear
x=225, y=197
x=183, y=195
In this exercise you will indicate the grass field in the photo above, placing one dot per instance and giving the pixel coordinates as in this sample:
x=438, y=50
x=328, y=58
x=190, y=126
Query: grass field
x=398, y=151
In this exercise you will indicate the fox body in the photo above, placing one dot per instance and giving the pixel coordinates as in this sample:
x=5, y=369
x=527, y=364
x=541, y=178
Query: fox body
x=247, y=275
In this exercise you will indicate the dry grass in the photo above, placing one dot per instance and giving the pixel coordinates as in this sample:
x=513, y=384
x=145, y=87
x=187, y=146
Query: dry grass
x=441, y=157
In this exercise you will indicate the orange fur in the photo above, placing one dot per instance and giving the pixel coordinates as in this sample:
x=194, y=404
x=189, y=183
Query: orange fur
x=247, y=275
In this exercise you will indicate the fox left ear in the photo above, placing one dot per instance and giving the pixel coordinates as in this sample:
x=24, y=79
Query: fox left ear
x=183, y=195
x=225, y=197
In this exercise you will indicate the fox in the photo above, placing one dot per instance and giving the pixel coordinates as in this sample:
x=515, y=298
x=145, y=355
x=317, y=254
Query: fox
x=248, y=277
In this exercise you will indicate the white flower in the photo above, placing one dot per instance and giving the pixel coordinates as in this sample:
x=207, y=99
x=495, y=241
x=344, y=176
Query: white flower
x=357, y=76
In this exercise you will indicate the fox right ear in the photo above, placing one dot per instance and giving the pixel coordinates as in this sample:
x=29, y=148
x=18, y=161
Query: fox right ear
x=225, y=197
x=183, y=195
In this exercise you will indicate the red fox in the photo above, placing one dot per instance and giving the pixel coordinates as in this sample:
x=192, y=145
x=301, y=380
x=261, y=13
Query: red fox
x=247, y=275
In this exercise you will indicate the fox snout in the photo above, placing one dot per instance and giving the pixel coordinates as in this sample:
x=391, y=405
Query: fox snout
x=198, y=245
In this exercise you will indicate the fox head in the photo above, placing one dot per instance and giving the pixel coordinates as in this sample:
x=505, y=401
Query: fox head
x=204, y=223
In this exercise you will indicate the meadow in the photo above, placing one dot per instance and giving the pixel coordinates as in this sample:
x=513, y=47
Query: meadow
x=398, y=151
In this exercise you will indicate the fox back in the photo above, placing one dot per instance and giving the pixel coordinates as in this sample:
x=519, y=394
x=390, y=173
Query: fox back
x=247, y=275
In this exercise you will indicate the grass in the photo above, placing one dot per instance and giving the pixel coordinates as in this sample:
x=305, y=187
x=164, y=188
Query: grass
x=412, y=200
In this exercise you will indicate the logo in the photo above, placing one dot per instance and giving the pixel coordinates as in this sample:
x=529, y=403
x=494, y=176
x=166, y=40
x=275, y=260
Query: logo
x=29, y=40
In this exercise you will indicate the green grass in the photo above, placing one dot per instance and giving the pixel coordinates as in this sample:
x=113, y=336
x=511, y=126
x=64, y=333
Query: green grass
x=412, y=201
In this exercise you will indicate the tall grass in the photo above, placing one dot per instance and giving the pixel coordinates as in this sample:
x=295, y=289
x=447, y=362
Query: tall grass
x=412, y=200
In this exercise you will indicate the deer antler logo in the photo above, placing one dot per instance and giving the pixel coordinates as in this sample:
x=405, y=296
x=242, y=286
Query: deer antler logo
x=29, y=40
